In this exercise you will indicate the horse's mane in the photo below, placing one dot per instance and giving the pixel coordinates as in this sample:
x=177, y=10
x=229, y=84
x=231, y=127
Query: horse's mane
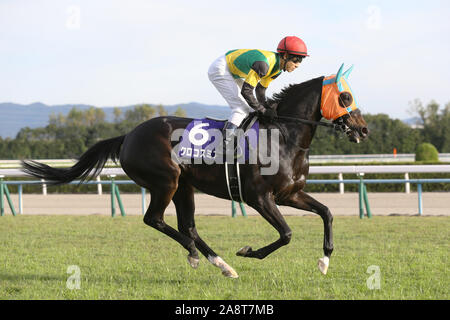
x=287, y=91
x=280, y=96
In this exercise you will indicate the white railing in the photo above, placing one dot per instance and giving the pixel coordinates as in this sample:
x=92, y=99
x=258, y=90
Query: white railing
x=355, y=158
x=361, y=158
x=6, y=164
x=339, y=170
x=444, y=168
x=381, y=169
x=405, y=169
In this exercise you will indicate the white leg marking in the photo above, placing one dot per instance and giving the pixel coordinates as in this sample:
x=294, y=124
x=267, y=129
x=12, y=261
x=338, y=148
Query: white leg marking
x=226, y=269
x=323, y=264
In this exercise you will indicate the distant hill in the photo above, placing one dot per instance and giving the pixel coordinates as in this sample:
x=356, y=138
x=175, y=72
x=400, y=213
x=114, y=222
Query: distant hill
x=14, y=117
x=414, y=122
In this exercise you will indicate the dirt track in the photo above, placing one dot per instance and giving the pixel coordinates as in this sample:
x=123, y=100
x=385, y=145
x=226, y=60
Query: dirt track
x=345, y=204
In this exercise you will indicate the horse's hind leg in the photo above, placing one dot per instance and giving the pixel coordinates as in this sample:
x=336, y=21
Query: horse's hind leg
x=184, y=204
x=154, y=217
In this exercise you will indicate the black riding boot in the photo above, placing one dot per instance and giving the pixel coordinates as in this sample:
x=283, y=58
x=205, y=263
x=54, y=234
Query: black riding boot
x=228, y=133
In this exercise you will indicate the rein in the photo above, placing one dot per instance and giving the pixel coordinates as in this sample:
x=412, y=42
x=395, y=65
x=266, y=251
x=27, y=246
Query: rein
x=340, y=126
x=320, y=123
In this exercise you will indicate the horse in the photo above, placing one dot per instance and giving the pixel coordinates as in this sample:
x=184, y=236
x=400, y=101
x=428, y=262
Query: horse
x=145, y=154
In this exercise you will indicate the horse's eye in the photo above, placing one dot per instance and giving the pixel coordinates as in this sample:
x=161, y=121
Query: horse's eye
x=345, y=99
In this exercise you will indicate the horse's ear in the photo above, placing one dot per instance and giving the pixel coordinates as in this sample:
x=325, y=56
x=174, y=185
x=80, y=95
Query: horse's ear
x=347, y=73
x=339, y=74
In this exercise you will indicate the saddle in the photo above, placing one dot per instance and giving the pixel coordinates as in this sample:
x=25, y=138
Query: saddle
x=243, y=128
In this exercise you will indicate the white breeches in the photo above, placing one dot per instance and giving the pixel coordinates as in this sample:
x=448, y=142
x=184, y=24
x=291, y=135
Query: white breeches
x=230, y=89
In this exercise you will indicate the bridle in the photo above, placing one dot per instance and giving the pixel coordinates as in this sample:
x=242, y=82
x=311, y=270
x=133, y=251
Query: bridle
x=338, y=124
x=319, y=123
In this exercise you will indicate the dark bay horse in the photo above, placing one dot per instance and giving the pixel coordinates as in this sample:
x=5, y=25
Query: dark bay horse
x=145, y=156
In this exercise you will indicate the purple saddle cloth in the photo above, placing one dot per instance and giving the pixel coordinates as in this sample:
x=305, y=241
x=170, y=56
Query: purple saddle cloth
x=202, y=136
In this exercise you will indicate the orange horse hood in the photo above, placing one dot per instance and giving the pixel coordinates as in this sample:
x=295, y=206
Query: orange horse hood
x=333, y=87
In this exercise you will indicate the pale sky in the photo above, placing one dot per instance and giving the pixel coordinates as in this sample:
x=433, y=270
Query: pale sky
x=117, y=53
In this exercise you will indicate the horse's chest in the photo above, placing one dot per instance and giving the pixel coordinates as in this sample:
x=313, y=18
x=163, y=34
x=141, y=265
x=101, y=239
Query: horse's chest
x=300, y=166
x=294, y=176
x=294, y=185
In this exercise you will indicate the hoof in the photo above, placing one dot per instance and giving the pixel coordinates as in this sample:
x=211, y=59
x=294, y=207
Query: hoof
x=227, y=271
x=230, y=273
x=244, y=251
x=323, y=265
x=193, y=261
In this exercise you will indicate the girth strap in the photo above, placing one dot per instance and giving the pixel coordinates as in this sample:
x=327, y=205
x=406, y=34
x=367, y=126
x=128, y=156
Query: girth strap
x=232, y=173
x=232, y=176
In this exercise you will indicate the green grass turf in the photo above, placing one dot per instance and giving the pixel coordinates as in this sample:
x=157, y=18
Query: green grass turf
x=122, y=258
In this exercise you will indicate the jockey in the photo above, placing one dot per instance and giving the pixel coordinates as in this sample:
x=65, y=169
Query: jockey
x=240, y=72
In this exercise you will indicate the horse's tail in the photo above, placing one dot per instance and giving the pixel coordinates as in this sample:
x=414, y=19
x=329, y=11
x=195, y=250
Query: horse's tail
x=94, y=159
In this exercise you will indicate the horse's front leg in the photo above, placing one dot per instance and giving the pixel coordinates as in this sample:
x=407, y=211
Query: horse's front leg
x=301, y=200
x=266, y=206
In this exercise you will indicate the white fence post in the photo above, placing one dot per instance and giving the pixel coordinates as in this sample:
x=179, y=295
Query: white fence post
x=341, y=185
x=44, y=187
x=99, y=186
x=407, y=184
x=20, y=191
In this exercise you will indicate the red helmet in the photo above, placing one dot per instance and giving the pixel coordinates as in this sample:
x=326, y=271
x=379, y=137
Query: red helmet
x=293, y=45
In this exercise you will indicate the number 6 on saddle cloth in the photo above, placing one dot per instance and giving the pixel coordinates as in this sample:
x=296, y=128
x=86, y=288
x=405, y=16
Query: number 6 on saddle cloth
x=202, y=142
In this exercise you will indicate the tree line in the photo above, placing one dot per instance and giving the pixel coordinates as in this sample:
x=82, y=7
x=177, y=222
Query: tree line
x=71, y=135
x=386, y=134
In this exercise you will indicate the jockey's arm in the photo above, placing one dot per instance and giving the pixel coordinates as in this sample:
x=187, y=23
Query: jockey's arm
x=260, y=92
x=257, y=79
x=247, y=93
x=261, y=89
x=259, y=69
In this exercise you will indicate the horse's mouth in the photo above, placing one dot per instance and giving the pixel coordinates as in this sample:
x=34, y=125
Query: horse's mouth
x=354, y=137
x=357, y=135
x=354, y=126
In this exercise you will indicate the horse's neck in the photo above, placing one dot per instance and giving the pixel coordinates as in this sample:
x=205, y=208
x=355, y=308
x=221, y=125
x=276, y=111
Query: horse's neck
x=302, y=100
x=302, y=103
